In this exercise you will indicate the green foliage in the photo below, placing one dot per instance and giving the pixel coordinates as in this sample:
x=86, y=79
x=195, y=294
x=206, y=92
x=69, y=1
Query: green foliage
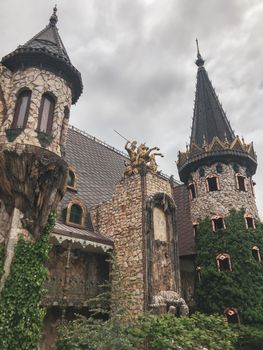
x=21, y=317
x=250, y=338
x=2, y=257
x=243, y=286
x=163, y=332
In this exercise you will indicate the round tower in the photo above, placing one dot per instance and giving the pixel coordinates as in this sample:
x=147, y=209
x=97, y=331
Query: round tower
x=218, y=166
x=38, y=84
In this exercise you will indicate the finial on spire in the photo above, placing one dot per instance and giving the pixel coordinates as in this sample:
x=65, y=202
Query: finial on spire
x=200, y=61
x=54, y=18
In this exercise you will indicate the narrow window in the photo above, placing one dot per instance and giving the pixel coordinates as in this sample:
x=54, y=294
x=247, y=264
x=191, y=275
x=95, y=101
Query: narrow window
x=218, y=223
x=76, y=214
x=223, y=263
x=249, y=221
x=212, y=183
x=64, y=126
x=71, y=181
x=46, y=113
x=22, y=109
x=256, y=253
x=231, y=315
x=195, y=227
x=192, y=191
x=241, y=183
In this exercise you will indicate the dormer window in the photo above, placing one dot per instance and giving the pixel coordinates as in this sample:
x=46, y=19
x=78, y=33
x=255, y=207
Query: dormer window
x=212, y=183
x=241, y=182
x=22, y=109
x=71, y=179
x=192, y=191
x=256, y=253
x=231, y=315
x=218, y=223
x=46, y=113
x=76, y=213
x=223, y=262
x=249, y=221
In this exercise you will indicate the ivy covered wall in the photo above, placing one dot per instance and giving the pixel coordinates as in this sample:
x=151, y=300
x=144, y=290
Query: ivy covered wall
x=241, y=288
x=21, y=317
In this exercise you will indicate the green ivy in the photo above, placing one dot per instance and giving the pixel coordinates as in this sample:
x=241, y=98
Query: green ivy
x=243, y=286
x=21, y=317
x=2, y=258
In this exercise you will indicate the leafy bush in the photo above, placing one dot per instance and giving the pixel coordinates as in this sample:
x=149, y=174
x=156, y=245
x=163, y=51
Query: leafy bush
x=163, y=332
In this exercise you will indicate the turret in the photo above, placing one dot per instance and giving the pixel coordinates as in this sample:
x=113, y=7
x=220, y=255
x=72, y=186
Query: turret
x=38, y=84
x=217, y=166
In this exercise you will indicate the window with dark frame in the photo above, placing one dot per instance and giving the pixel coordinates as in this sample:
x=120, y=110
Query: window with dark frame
x=232, y=316
x=218, y=223
x=212, y=183
x=46, y=113
x=256, y=253
x=22, y=109
x=223, y=263
x=241, y=185
x=71, y=179
x=250, y=222
x=192, y=191
x=76, y=214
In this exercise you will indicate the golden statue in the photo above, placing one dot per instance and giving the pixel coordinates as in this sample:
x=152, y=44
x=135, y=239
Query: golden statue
x=140, y=155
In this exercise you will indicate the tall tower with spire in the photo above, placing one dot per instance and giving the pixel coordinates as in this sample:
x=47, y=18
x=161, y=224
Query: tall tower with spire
x=38, y=85
x=217, y=166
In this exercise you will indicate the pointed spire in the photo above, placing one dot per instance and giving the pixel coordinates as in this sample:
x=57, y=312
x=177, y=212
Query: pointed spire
x=53, y=20
x=199, y=61
x=209, y=118
x=46, y=49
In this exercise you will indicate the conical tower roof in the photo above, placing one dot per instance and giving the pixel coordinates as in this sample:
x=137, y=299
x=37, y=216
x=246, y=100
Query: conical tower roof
x=209, y=118
x=46, y=49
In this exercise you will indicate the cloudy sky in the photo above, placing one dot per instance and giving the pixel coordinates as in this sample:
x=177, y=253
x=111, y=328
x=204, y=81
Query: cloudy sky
x=137, y=63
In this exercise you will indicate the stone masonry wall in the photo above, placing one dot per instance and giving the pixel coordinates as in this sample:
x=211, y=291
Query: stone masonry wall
x=228, y=196
x=38, y=81
x=121, y=219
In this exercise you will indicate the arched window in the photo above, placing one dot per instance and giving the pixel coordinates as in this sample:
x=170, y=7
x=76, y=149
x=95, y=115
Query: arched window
x=249, y=221
x=218, y=223
x=71, y=180
x=192, y=191
x=76, y=213
x=212, y=183
x=241, y=182
x=231, y=315
x=22, y=109
x=46, y=113
x=223, y=262
x=256, y=253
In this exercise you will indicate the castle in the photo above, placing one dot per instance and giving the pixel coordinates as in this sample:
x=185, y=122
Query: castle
x=108, y=201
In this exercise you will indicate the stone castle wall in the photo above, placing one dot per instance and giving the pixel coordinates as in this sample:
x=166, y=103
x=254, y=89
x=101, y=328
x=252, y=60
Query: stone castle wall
x=38, y=81
x=122, y=219
x=228, y=196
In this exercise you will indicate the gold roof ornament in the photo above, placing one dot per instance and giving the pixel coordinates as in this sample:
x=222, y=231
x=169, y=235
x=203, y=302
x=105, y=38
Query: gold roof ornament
x=140, y=155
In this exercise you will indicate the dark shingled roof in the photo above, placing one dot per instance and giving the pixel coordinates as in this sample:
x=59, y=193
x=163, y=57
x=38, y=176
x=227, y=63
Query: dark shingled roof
x=209, y=118
x=46, y=49
x=99, y=167
x=184, y=224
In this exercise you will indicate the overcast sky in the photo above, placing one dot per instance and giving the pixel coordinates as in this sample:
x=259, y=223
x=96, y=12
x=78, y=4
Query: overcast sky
x=137, y=57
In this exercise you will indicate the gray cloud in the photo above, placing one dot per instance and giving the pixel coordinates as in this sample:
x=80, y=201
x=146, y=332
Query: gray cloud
x=137, y=63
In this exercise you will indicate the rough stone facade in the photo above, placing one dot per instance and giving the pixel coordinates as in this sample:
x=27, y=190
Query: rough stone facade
x=38, y=81
x=123, y=219
x=227, y=197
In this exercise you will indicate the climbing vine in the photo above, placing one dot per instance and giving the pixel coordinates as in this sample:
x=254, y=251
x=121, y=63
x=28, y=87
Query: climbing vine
x=21, y=317
x=242, y=287
x=2, y=256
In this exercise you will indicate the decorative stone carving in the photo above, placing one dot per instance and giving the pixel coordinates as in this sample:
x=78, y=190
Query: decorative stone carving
x=170, y=300
x=139, y=156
